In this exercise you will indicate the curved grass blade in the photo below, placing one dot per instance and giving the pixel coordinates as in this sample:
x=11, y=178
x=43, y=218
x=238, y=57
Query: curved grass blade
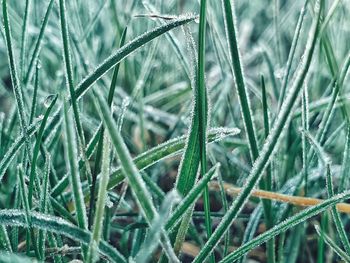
x=285, y=225
x=13, y=217
x=126, y=50
x=271, y=142
x=188, y=169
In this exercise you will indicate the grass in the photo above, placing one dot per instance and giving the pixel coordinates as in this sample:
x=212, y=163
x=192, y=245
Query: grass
x=174, y=131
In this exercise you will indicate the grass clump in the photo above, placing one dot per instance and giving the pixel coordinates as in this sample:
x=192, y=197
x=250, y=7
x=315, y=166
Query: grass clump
x=174, y=131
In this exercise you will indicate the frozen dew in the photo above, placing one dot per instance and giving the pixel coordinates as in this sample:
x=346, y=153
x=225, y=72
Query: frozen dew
x=48, y=100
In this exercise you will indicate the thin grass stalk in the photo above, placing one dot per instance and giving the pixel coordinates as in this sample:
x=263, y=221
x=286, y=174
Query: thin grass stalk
x=36, y=150
x=202, y=102
x=14, y=77
x=24, y=36
x=44, y=205
x=5, y=240
x=38, y=44
x=35, y=95
x=101, y=202
x=30, y=231
x=291, y=54
x=268, y=205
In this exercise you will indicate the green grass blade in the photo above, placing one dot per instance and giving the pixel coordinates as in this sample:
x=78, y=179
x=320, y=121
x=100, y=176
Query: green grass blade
x=268, y=180
x=36, y=150
x=71, y=157
x=270, y=144
x=239, y=79
x=292, y=53
x=129, y=168
x=101, y=202
x=24, y=35
x=5, y=243
x=35, y=95
x=38, y=44
x=30, y=231
x=202, y=102
x=14, y=77
x=68, y=67
x=43, y=205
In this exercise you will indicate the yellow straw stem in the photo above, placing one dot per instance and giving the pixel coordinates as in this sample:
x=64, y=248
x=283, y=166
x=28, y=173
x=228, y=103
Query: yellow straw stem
x=295, y=200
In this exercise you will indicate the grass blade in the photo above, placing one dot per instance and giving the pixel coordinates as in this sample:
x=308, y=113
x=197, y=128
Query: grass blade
x=36, y=150
x=38, y=44
x=239, y=79
x=14, y=77
x=71, y=157
x=202, y=102
x=101, y=202
x=24, y=35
